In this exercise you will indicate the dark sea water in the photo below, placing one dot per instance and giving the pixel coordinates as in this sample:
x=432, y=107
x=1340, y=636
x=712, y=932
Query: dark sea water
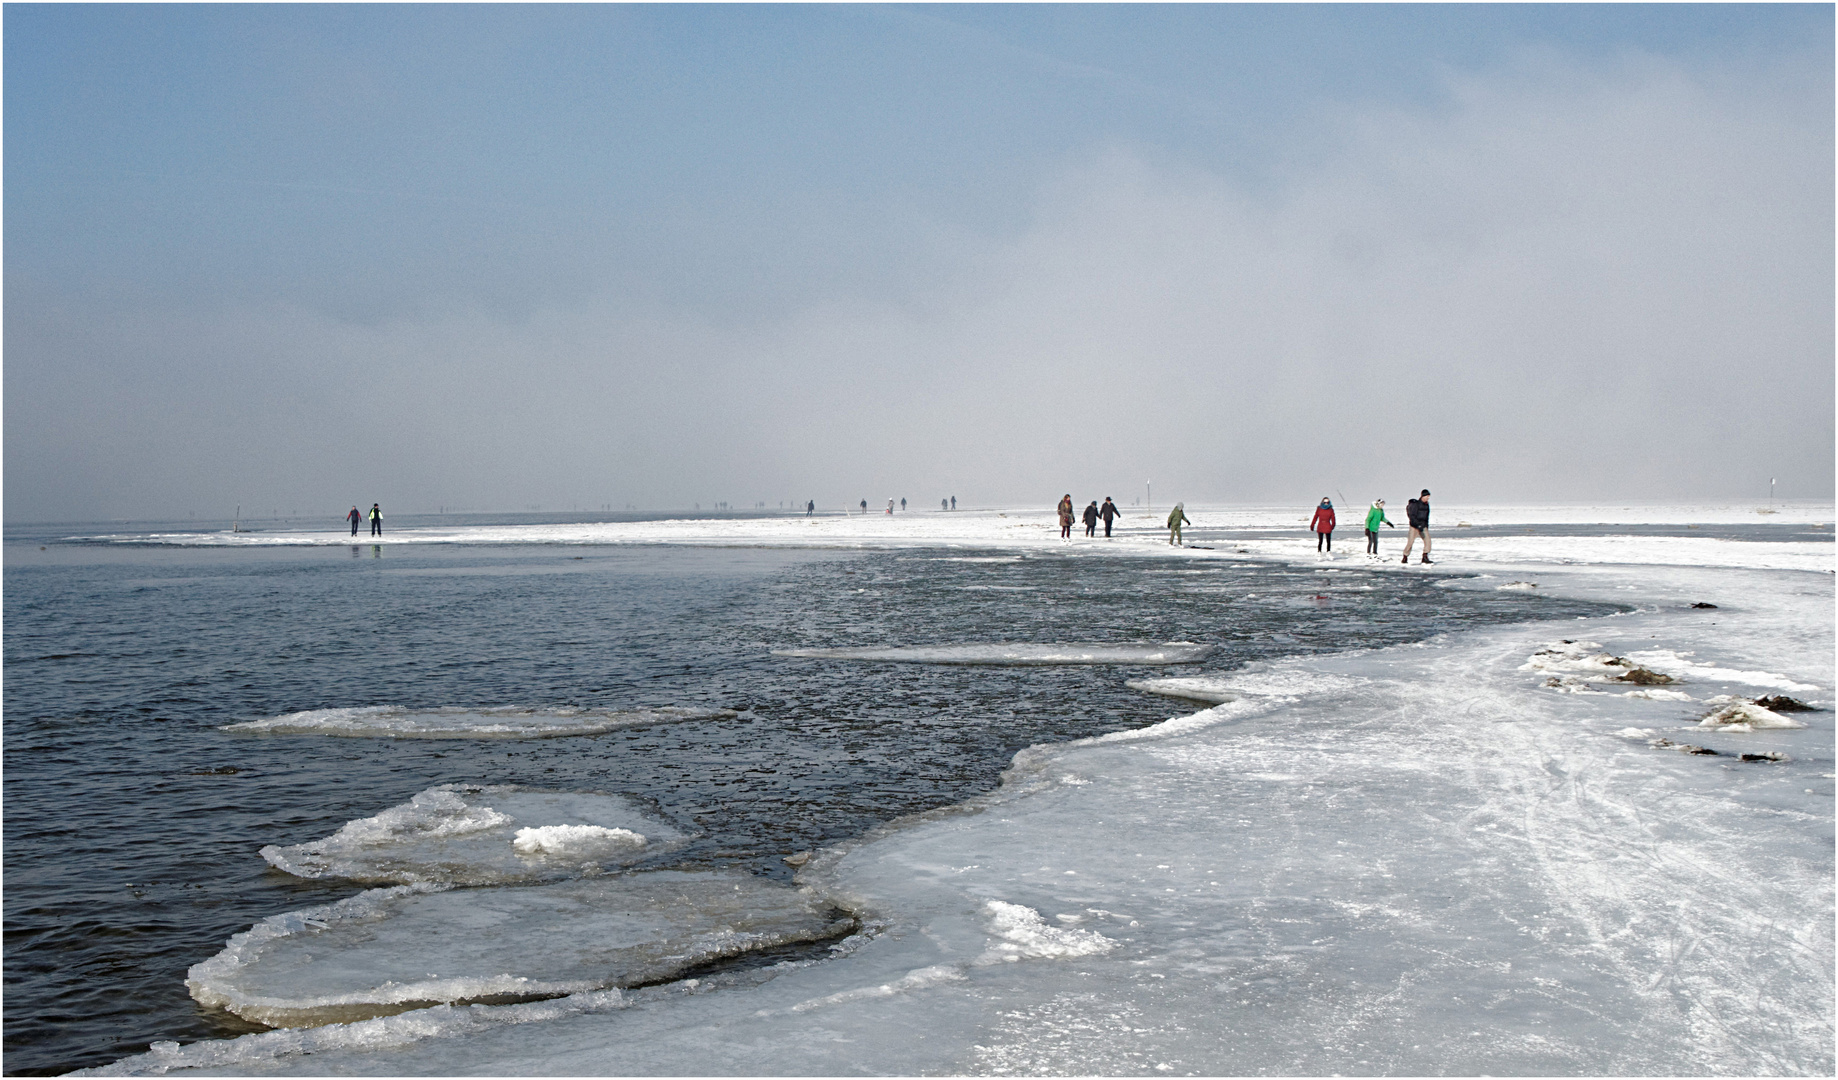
x=132, y=821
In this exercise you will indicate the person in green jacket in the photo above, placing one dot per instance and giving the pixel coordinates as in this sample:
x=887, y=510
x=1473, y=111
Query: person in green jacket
x=1176, y=518
x=1375, y=516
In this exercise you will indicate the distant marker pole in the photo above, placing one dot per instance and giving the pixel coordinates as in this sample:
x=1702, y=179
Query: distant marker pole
x=1148, y=494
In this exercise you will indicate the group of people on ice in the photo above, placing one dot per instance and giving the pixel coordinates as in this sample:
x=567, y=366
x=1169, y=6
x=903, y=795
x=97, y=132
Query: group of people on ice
x=1416, y=511
x=1416, y=514
x=376, y=519
x=1094, y=513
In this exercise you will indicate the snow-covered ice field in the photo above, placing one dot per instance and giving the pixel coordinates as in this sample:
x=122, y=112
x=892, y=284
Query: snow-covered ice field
x=1478, y=854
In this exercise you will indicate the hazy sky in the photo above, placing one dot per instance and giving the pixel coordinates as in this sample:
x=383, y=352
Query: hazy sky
x=301, y=257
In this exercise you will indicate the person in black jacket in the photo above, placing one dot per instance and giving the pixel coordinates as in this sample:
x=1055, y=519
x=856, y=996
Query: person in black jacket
x=354, y=517
x=1109, y=513
x=1091, y=518
x=1418, y=512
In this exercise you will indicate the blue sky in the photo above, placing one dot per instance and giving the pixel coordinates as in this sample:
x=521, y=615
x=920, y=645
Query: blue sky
x=496, y=256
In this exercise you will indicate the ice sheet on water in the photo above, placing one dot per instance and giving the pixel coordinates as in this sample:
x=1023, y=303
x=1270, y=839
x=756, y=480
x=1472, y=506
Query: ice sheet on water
x=470, y=834
x=381, y=1033
x=391, y=950
x=452, y=722
x=1016, y=655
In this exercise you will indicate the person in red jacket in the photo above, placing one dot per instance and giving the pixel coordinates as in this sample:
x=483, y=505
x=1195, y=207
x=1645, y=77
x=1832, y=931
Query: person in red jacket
x=1324, y=525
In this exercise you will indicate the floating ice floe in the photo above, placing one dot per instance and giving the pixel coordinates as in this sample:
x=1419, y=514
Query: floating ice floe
x=1516, y=586
x=1735, y=714
x=1173, y=652
x=392, y=950
x=448, y=722
x=1220, y=689
x=468, y=834
x=246, y=1053
x=1021, y=934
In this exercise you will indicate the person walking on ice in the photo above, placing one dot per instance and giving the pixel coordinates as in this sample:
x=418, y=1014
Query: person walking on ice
x=354, y=517
x=1323, y=526
x=1109, y=513
x=1375, y=516
x=1417, y=512
x=376, y=520
x=1065, y=516
x=1091, y=518
x=1176, y=518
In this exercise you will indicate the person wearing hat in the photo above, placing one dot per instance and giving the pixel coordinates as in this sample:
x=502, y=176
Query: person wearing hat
x=1323, y=526
x=1109, y=513
x=1417, y=512
x=1375, y=516
x=1177, y=517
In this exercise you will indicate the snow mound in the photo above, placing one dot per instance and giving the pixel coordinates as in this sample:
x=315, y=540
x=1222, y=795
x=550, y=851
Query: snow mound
x=468, y=834
x=1021, y=934
x=1735, y=714
x=1570, y=684
x=1516, y=586
x=388, y=951
x=1680, y=666
x=1577, y=657
x=1017, y=655
x=451, y=722
x=564, y=839
x=1652, y=694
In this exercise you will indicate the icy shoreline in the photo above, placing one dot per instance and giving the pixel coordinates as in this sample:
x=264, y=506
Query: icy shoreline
x=1413, y=860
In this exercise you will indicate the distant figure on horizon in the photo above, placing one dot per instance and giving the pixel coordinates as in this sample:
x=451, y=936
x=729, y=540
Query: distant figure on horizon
x=810, y=508
x=902, y=506
x=864, y=506
x=1091, y=518
x=1417, y=513
x=1109, y=513
x=890, y=506
x=1176, y=518
x=953, y=502
x=1323, y=525
x=943, y=505
x=1065, y=517
x=1375, y=516
x=355, y=517
x=376, y=520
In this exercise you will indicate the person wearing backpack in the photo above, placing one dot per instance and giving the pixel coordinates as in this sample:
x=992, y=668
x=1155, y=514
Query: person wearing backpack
x=1417, y=512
